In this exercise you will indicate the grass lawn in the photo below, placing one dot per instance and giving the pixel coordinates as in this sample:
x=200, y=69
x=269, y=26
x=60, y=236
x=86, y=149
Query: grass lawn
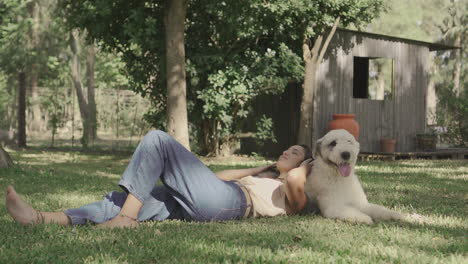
x=57, y=180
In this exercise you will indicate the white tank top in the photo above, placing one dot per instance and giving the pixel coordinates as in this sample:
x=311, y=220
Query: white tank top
x=268, y=196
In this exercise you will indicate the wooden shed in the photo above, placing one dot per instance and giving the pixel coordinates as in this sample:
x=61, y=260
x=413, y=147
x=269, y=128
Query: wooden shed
x=383, y=80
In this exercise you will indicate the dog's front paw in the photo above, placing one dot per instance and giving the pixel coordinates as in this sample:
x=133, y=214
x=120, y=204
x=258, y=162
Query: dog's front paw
x=365, y=219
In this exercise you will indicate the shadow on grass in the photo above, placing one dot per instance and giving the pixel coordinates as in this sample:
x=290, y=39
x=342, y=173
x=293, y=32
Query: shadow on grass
x=424, y=191
x=284, y=239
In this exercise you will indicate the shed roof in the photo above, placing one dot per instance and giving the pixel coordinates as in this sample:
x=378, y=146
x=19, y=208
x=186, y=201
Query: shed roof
x=432, y=46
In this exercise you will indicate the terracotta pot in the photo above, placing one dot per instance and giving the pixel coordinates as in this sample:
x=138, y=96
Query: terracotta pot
x=387, y=145
x=345, y=121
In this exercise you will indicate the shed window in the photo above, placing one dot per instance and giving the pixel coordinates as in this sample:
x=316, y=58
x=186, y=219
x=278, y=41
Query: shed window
x=373, y=78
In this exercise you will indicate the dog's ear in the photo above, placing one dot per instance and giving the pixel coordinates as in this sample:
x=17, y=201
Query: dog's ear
x=317, y=152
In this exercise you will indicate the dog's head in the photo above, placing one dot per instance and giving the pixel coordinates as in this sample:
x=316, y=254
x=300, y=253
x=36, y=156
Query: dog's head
x=338, y=148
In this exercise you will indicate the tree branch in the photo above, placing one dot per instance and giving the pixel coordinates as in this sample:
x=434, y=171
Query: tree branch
x=329, y=37
x=307, y=56
x=316, y=48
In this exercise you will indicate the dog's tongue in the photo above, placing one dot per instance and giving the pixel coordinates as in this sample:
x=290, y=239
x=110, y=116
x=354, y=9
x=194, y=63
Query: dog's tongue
x=345, y=170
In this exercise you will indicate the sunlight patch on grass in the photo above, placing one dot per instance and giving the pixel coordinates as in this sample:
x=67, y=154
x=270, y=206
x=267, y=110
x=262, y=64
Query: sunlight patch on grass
x=380, y=250
x=442, y=169
x=105, y=259
x=61, y=201
x=56, y=158
x=50, y=156
x=432, y=163
x=108, y=175
x=411, y=253
x=434, y=189
x=441, y=221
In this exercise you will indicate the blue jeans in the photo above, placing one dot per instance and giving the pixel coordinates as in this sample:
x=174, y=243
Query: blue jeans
x=189, y=190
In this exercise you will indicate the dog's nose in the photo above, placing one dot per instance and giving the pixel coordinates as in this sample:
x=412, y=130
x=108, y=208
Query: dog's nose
x=345, y=155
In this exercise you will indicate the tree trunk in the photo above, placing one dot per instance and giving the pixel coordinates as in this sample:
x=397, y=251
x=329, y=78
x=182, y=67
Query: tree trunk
x=312, y=59
x=117, y=122
x=5, y=159
x=90, y=61
x=177, y=121
x=36, y=120
x=307, y=104
x=76, y=76
x=22, y=110
x=458, y=65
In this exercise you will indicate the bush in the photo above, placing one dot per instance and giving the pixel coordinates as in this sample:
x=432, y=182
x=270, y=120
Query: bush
x=452, y=114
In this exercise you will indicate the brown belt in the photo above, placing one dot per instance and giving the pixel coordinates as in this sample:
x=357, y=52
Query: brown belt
x=249, y=208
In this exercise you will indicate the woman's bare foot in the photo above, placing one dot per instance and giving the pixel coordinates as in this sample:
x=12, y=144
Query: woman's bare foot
x=120, y=221
x=21, y=212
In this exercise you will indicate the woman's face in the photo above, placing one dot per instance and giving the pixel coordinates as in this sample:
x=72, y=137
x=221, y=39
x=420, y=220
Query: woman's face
x=290, y=159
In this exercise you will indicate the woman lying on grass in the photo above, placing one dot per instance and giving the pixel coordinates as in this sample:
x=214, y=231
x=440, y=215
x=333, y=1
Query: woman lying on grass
x=190, y=190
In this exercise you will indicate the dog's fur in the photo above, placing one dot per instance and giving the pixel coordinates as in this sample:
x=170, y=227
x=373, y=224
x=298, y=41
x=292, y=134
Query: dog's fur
x=335, y=188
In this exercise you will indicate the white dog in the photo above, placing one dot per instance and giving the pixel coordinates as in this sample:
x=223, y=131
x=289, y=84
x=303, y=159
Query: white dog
x=334, y=187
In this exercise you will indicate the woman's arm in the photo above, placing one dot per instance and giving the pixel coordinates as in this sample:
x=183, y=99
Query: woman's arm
x=229, y=175
x=294, y=186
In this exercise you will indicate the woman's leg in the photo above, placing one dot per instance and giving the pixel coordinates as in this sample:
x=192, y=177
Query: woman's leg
x=139, y=178
x=196, y=188
x=24, y=214
x=128, y=215
x=199, y=194
x=160, y=206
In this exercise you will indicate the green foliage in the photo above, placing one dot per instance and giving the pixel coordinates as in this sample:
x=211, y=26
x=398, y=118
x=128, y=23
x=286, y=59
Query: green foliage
x=236, y=50
x=7, y=98
x=234, y=87
x=26, y=44
x=15, y=51
x=265, y=130
x=452, y=78
x=110, y=71
x=156, y=116
x=415, y=19
x=55, y=105
x=452, y=114
x=54, y=99
x=133, y=28
x=19, y=49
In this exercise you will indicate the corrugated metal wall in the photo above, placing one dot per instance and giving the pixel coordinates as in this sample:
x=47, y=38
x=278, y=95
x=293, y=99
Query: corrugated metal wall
x=401, y=117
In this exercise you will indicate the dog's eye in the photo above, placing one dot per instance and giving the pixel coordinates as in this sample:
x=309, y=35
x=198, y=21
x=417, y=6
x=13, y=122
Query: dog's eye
x=332, y=144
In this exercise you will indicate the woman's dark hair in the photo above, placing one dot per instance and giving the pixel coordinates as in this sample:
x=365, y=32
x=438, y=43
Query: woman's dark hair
x=307, y=151
x=307, y=155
